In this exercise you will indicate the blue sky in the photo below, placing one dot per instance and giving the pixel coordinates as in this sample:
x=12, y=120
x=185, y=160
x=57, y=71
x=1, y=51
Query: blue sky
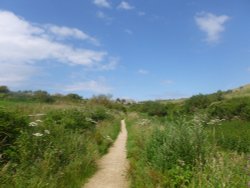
x=143, y=49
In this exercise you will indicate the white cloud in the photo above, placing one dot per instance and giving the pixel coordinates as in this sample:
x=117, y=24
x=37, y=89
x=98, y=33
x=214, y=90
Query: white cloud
x=103, y=16
x=99, y=87
x=15, y=74
x=143, y=71
x=125, y=6
x=167, y=82
x=66, y=32
x=211, y=24
x=23, y=44
x=102, y=3
x=111, y=65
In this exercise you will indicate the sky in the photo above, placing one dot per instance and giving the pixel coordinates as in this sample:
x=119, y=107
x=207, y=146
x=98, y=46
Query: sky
x=140, y=49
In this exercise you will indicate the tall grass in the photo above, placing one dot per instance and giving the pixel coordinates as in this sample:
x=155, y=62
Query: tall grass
x=180, y=155
x=233, y=135
x=58, y=149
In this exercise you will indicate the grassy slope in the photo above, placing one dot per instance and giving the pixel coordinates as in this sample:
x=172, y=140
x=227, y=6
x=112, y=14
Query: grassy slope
x=243, y=91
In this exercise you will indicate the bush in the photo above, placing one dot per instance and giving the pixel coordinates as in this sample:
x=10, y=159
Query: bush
x=74, y=119
x=73, y=97
x=231, y=108
x=42, y=96
x=4, y=89
x=197, y=102
x=153, y=108
x=11, y=126
x=100, y=113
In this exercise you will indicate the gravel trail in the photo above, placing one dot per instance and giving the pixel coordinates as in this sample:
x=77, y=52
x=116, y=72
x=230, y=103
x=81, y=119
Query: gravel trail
x=113, y=165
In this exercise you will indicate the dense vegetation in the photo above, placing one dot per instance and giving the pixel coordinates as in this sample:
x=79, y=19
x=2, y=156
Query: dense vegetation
x=202, y=141
x=54, y=140
x=53, y=143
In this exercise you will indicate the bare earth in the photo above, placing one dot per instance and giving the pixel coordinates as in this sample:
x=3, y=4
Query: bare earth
x=112, y=166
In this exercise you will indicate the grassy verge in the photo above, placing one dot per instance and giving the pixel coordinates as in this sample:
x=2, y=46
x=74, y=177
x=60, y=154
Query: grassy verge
x=180, y=154
x=58, y=149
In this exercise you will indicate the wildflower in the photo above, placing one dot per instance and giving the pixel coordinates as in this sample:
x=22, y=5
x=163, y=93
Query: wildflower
x=38, y=134
x=47, y=131
x=33, y=124
x=39, y=121
x=90, y=120
x=108, y=138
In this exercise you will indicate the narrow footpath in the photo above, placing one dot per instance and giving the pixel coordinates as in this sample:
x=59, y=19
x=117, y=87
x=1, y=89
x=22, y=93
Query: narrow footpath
x=112, y=166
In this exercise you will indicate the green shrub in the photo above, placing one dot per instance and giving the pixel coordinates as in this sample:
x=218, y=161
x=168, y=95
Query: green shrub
x=231, y=108
x=74, y=119
x=4, y=89
x=99, y=113
x=153, y=108
x=11, y=127
x=197, y=102
x=42, y=96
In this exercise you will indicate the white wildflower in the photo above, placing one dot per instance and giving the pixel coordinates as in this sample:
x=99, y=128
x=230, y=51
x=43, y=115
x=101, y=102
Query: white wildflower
x=90, y=120
x=33, y=124
x=108, y=138
x=39, y=121
x=47, y=131
x=38, y=134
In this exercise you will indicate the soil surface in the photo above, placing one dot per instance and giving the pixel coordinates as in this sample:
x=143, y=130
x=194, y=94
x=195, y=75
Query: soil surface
x=112, y=166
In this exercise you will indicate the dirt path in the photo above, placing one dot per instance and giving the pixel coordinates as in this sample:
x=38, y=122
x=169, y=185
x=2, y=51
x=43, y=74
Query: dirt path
x=113, y=166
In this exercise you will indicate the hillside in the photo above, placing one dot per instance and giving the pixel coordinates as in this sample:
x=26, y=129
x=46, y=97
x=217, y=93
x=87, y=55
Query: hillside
x=243, y=91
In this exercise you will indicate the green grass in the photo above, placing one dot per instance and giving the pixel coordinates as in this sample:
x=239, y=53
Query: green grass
x=70, y=138
x=181, y=155
x=233, y=135
x=243, y=91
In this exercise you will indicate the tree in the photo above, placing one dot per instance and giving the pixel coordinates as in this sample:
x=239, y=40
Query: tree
x=42, y=96
x=73, y=96
x=4, y=89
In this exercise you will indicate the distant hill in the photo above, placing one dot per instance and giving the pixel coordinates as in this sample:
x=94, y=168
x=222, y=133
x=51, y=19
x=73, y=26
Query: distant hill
x=243, y=91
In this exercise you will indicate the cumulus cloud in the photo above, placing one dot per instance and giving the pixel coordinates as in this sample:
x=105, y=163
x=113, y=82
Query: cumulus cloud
x=95, y=86
x=143, y=71
x=211, y=24
x=102, y=3
x=23, y=44
x=125, y=6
